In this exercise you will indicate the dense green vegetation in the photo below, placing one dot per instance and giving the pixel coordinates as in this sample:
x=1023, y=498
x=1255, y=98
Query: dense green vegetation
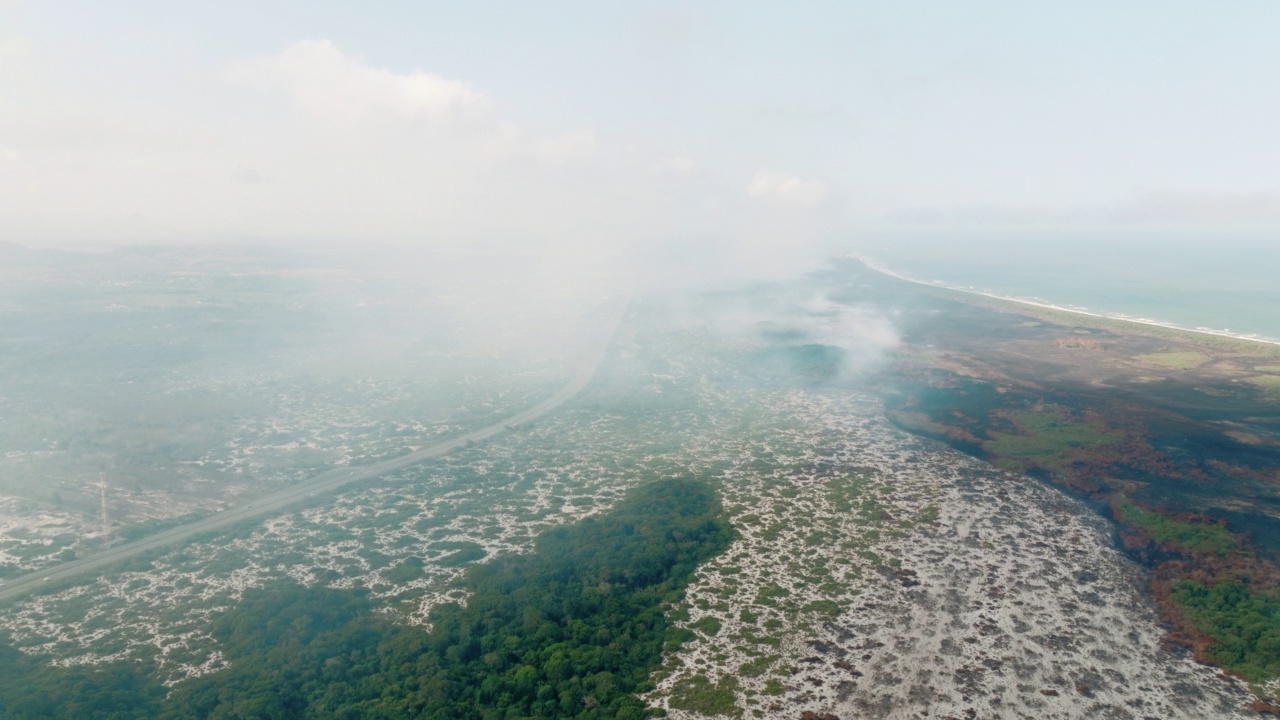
x=571, y=630
x=1244, y=626
x=1174, y=360
x=700, y=695
x=574, y=629
x=30, y=688
x=1045, y=439
x=1189, y=537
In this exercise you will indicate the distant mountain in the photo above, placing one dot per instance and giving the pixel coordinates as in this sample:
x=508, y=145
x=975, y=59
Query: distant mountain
x=12, y=254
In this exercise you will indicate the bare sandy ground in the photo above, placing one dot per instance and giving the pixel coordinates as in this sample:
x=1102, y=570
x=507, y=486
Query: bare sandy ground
x=1006, y=599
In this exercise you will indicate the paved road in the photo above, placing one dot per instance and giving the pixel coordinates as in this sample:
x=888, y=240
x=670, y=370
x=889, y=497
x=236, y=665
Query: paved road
x=296, y=494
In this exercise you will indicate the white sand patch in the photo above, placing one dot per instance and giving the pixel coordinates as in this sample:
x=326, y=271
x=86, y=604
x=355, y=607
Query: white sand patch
x=978, y=595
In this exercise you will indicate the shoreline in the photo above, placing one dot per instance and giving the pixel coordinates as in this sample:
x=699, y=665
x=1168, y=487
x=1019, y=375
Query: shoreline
x=1226, y=334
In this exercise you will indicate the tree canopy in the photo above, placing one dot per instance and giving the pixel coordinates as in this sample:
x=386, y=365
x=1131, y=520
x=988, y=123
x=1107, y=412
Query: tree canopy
x=571, y=630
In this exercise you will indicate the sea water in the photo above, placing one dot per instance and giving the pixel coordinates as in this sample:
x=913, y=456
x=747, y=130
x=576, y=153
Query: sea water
x=1225, y=282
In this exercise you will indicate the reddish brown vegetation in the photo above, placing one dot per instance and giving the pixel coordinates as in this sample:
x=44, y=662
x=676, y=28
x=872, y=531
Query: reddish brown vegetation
x=1109, y=474
x=1265, y=707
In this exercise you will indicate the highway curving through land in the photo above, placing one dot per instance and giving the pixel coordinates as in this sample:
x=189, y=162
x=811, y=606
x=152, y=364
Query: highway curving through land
x=296, y=494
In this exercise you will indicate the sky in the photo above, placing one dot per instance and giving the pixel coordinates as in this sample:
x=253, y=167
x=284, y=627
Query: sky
x=603, y=127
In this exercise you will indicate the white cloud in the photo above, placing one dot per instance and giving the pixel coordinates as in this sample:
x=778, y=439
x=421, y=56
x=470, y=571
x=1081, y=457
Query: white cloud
x=14, y=47
x=249, y=176
x=313, y=142
x=675, y=166
x=571, y=146
x=1164, y=208
x=341, y=88
x=345, y=93
x=780, y=187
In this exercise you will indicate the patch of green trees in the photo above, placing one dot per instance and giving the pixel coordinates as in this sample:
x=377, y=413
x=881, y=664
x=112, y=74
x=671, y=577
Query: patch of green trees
x=1243, y=626
x=571, y=630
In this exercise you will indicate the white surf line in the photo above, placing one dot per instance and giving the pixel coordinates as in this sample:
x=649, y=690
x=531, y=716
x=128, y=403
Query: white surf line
x=1049, y=306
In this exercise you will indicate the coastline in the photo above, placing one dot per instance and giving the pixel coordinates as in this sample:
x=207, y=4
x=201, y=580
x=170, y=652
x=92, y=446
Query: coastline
x=1170, y=435
x=1094, y=319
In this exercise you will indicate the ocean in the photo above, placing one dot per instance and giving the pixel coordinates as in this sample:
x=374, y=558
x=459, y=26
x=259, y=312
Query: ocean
x=1225, y=283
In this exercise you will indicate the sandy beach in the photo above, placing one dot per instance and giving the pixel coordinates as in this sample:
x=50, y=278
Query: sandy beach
x=1121, y=317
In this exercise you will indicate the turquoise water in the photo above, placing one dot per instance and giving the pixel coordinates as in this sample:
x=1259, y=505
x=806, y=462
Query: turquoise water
x=1224, y=283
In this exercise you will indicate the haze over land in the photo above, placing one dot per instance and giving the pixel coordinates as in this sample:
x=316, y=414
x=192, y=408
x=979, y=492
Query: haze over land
x=499, y=360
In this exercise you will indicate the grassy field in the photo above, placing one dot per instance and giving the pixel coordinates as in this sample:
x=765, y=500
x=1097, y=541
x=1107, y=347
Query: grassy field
x=1046, y=439
x=1191, y=537
x=1269, y=383
x=1174, y=360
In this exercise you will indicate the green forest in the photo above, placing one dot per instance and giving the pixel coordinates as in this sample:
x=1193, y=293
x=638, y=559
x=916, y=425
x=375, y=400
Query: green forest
x=1243, y=626
x=571, y=630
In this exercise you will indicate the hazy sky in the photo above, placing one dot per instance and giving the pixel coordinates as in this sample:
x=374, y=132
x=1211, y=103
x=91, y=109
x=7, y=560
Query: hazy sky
x=591, y=124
